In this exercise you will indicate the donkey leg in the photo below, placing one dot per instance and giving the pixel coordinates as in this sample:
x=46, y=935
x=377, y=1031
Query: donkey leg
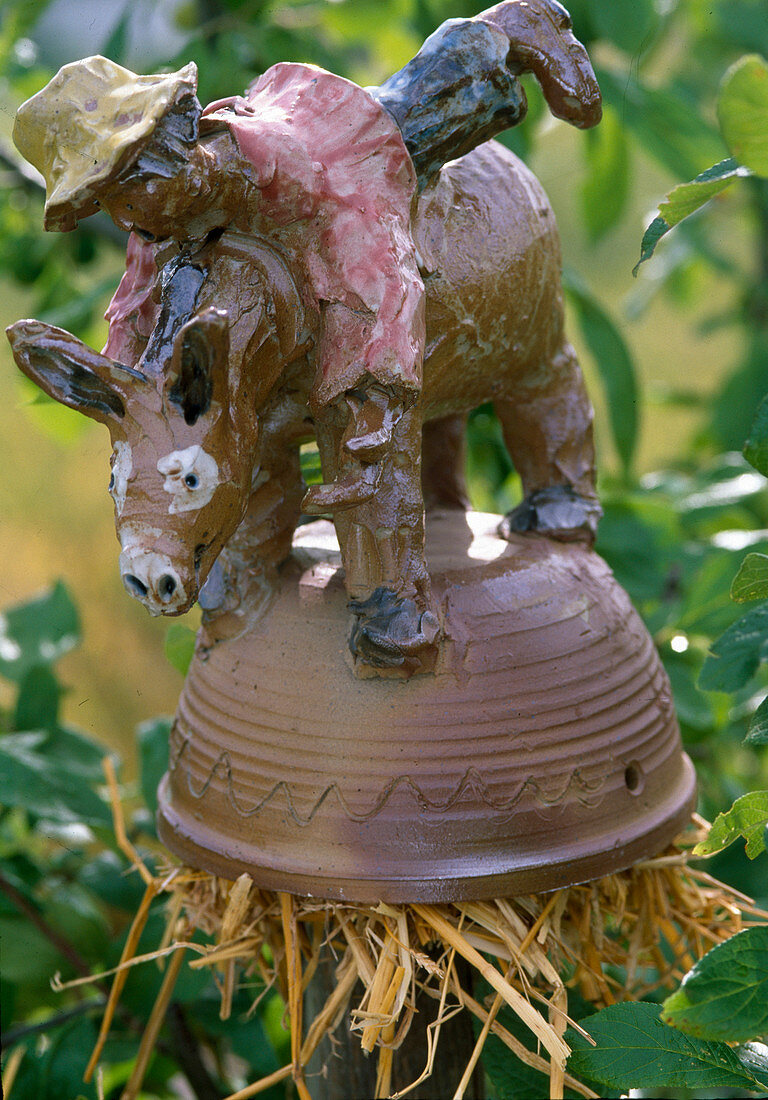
x=443, y=456
x=246, y=572
x=547, y=427
x=381, y=536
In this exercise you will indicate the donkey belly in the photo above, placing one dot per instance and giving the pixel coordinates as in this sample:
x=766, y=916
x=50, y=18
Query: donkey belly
x=490, y=257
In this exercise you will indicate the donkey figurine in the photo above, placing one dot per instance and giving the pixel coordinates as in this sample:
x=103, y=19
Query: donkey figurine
x=209, y=381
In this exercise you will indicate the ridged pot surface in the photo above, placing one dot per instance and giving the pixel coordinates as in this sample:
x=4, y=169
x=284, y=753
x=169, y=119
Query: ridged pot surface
x=543, y=751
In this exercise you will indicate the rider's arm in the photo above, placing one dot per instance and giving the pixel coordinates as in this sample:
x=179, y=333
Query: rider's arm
x=132, y=312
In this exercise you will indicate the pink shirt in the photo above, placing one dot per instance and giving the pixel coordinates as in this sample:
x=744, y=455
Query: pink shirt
x=336, y=186
x=132, y=312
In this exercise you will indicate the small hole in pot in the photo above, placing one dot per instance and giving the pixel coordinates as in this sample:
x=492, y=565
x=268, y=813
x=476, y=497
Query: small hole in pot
x=633, y=778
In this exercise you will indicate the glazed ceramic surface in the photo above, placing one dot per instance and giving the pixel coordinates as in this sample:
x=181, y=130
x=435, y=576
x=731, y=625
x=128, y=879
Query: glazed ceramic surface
x=314, y=259
x=360, y=266
x=543, y=751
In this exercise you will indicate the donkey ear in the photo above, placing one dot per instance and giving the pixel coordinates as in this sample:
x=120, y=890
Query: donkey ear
x=71, y=372
x=541, y=41
x=199, y=364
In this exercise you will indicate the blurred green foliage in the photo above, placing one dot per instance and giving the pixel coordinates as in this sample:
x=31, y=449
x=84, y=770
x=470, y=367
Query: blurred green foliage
x=65, y=900
x=676, y=538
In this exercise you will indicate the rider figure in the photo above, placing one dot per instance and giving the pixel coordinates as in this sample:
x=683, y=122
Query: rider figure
x=269, y=164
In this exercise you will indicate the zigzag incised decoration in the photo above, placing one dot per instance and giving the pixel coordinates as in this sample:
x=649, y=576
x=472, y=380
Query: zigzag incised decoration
x=470, y=781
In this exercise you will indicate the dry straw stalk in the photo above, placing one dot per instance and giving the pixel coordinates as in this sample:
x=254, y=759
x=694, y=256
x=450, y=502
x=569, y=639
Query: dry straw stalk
x=657, y=917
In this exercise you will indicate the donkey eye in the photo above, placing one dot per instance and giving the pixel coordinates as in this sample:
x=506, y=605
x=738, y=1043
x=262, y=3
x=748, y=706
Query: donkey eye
x=191, y=481
x=111, y=482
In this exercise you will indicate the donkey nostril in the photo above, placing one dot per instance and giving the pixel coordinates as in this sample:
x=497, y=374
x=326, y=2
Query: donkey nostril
x=136, y=587
x=166, y=586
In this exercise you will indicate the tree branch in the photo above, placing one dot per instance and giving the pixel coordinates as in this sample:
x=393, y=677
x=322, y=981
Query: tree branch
x=24, y=1031
x=186, y=1050
x=62, y=945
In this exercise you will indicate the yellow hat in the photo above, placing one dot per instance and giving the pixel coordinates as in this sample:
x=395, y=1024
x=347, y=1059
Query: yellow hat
x=79, y=130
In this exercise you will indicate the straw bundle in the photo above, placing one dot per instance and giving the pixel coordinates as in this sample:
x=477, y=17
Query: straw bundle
x=656, y=918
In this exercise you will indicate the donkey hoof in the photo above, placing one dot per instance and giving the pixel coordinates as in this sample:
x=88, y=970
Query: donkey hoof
x=389, y=630
x=356, y=488
x=558, y=512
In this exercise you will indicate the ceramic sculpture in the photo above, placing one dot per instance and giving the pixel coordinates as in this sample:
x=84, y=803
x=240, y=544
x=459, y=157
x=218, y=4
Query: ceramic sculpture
x=363, y=719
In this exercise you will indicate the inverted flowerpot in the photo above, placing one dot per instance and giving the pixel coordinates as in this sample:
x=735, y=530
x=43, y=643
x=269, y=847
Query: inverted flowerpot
x=542, y=751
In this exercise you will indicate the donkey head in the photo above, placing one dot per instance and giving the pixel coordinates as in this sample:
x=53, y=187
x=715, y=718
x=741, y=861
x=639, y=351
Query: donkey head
x=181, y=468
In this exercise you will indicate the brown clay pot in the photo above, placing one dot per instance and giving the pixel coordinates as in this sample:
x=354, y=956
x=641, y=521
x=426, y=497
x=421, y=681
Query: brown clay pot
x=543, y=751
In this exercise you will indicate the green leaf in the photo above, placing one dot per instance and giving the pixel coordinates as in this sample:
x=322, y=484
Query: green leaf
x=605, y=189
x=629, y=24
x=74, y=913
x=636, y=1050
x=754, y=1057
x=152, y=740
x=58, y=422
x=244, y=1033
x=75, y=753
x=756, y=447
x=716, y=488
x=691, y=705
x=37, y=704
x=105, y=876
x=65, y=1061
x=180, y=646
x=116, y=45
x=311, y=470
x=17, y=21
x=746, y=818
x=651, y=238
x=512, y=1077
x=757, y=734
x=614, y=364
x=735, y=656
x=489, y=469
x=739, y=22
x=666, y=124
x=38, y=632
x=31, y=779
x=707, y=608
x=28, y=956
x=725, y=995
x=638, y=538
x=751, y=581
x=143, y=984
x=509, y=1075
x=743, y=112
x=76, y=313
x=685, y=199
x=733, y=404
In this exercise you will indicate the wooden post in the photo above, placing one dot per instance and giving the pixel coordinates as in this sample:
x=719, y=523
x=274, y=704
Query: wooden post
x=341, y=1070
